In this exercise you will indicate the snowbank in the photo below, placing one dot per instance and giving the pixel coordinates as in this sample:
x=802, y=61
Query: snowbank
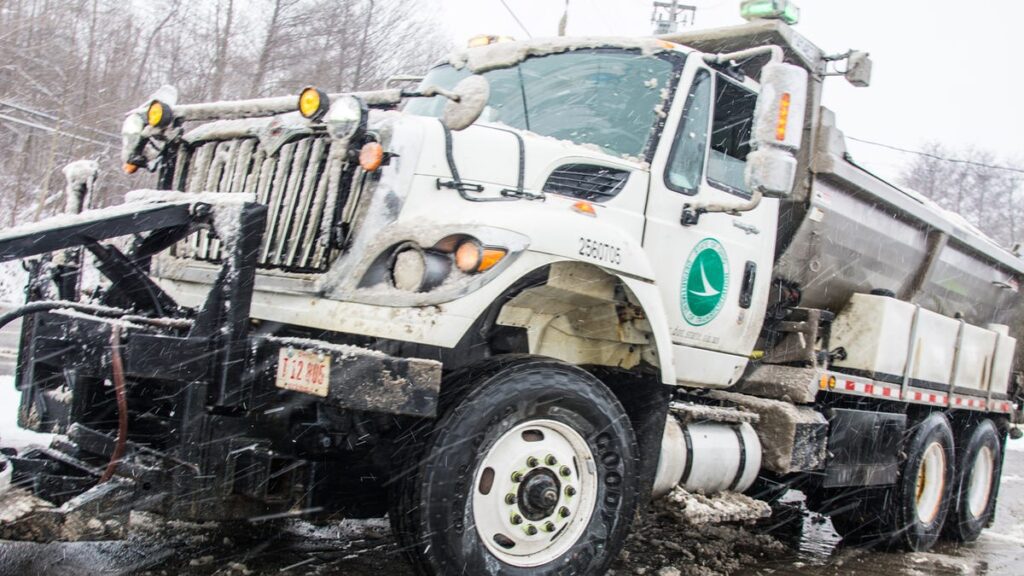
x=12, y=283
x=10, y=434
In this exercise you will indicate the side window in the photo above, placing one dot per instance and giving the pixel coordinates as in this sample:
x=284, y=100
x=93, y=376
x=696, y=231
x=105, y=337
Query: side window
x=730, y=136
x=687, y=159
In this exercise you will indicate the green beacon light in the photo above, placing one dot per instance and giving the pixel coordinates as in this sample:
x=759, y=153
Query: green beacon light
x=770, y=10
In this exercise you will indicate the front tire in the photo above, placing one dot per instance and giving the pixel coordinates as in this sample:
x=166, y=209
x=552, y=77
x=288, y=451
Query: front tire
x=531, y=469
x=979, y=465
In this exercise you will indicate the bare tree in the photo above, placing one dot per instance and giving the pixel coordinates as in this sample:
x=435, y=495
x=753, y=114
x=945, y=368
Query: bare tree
x=70, y=70
x=972, y=183
x=220, y=58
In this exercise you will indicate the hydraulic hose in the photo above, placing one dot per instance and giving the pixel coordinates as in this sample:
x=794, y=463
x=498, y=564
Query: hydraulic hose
x=45, y=306
x=117, y=368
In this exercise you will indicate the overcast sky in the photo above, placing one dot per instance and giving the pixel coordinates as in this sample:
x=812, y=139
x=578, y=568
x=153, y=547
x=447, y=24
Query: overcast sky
x=944, y=70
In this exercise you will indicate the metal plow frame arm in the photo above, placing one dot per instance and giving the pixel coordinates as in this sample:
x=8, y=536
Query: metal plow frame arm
x=97, y=225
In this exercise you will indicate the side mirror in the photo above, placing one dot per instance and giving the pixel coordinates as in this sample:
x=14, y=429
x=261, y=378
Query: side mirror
x=858, y=69
x=778, y=129
x=467, y=102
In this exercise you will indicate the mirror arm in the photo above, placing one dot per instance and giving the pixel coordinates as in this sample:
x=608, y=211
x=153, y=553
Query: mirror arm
x=726, y=57
x=430, y=91
x=693, y=212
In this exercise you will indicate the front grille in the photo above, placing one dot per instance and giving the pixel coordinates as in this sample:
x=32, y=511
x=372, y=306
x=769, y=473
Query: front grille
x=299, y=183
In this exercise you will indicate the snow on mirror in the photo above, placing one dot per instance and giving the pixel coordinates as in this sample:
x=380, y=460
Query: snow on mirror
x=778, y=129
x=473, y=93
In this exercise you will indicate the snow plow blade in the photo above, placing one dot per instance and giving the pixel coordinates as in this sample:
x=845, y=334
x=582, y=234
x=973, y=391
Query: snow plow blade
x=180, y=411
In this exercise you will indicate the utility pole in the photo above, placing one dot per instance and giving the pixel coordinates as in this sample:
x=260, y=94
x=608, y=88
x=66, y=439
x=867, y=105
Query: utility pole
x=565, y=20
x=669, y=16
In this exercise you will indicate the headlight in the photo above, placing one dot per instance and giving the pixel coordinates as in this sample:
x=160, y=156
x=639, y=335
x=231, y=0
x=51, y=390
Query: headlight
x=159, y=115
x=416, y=270
x=313, y=103
x=346, y=116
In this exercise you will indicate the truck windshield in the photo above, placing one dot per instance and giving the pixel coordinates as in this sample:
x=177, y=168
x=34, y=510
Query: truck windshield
x=608, y=98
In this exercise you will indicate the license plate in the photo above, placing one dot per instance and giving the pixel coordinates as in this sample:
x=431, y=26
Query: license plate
x=303, y=371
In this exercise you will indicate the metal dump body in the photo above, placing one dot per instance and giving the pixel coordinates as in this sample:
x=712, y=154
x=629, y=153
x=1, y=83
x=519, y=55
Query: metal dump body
x=860, y=233
x=844, y=230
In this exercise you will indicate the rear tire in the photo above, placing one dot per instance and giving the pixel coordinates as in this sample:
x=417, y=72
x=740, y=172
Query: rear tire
x=922, y=495
x=523, y=443
x=979, y=465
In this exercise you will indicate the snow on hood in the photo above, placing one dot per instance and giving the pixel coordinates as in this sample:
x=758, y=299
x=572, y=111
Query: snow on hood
x=244, y=127
x=505, y=54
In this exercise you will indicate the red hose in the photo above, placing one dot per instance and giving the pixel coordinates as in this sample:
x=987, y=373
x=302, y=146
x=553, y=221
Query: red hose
x=122, y=403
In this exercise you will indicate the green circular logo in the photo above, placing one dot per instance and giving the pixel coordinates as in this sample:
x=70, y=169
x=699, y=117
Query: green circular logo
x=705, y=282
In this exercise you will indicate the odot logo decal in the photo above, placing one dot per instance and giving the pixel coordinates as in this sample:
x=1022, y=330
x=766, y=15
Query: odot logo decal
x=705, y=282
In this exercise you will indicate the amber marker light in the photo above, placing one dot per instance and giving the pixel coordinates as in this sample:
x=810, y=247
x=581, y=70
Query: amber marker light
x=490, y=258
x=313, y=103
x=780, y=127
x=584, y=207
x=129, y=168
x=371, y=156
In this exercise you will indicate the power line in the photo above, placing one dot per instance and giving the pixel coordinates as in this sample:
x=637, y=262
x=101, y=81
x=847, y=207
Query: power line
x=937, y=157
x=5, y=117
x=51, y=117
x=516, y=18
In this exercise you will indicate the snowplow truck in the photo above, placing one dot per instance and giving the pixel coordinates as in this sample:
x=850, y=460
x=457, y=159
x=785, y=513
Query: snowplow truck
x=509, y=305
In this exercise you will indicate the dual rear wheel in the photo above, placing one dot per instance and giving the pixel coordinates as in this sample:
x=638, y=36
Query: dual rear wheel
x=943, y=488
x=979, y=467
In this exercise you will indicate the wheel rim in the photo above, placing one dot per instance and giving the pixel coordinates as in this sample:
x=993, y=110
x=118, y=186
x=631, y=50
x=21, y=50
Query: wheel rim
x=980, y=484
x=534, y=493
x=931, y=479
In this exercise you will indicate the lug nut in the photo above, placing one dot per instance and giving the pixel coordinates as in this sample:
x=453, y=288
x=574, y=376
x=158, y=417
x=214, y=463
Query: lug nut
x=549, y=527
x=563, y=511
x=550, y=460
x=531, y=530
x=510, y=499
x=517, y=519
x=564, y=471
x=570, y=491
x=532, y=462
x=517, y=476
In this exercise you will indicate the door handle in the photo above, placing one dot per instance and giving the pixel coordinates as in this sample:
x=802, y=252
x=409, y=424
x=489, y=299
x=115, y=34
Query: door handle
x=747, y=287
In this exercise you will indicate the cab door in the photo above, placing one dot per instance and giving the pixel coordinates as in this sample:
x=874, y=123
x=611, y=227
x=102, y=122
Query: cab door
x=714, y=270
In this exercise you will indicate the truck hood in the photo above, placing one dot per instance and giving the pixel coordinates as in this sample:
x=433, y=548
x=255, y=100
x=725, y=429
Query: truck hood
x=500, y=157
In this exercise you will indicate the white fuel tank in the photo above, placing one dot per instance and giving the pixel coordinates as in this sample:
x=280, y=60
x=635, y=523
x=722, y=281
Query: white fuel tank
x=707, y=457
